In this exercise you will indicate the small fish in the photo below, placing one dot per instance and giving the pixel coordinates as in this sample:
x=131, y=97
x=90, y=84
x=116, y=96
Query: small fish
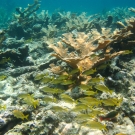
x=48, y=99
x=3, y=107
x=28, y=99
x=96, y=80
x=67, y=82
x=97, y=112
x=32, y=102
x=81, y=117
x=39, y=77
x=85, y=87
x=89, y=72
x=111, y=115
x=112, y=101
x=74, y=71
x=103, y=66
x=4, y=60
x=94, y=55
x=121, y=134
x=45, y=80
x=103, y=88
x=23, y=95
x=51, y=90
x=63, y=77
x=58, y=109
x=89, y=93
x=19, y=114
x=28, y=40
x=80, y=107
x=127, y=52
x=95, y=125
x=2, y=77
x=67, y=98
x=56, y=81
x=90, y=101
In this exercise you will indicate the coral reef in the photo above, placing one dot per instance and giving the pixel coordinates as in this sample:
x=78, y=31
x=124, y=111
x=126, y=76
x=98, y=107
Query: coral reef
x=86, y=88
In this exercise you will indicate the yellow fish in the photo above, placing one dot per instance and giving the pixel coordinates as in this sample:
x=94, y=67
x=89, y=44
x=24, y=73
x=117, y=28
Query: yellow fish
x=80, y=107
x=97, y=112
x=90, y=101
x=45, y=80
x=112, y=102
x=48, y=99
x=67, y=98
x=85, y=87
x=121, y=134
x=81, y=117
x=39, y=77
x=4, y=60
x=89, y=72
x=103, y=66
x=67, y=82
x=2, y=77
x=89, y=93
x=19, y=114
x=127, y=52
x=96, y=80
x=2, y=107
x=58, y=109
x=28, y=99
x=62, y=77
x=56, y=81
x=103, y=88
x=74, y=71
x=95, y=125
x=51, y=90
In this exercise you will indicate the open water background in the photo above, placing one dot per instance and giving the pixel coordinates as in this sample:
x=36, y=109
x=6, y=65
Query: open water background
x=90, y=6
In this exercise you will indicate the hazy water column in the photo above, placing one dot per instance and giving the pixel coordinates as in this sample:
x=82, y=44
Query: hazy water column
x=93, y=6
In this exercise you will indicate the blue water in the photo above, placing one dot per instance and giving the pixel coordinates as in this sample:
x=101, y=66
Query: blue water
x=90, y=6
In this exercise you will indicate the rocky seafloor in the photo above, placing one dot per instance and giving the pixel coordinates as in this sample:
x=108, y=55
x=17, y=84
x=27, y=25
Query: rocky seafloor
x=31, y=101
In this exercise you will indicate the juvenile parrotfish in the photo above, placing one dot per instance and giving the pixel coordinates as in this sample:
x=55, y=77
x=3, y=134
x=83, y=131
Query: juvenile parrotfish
x=19, y=114
x=111, y=115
